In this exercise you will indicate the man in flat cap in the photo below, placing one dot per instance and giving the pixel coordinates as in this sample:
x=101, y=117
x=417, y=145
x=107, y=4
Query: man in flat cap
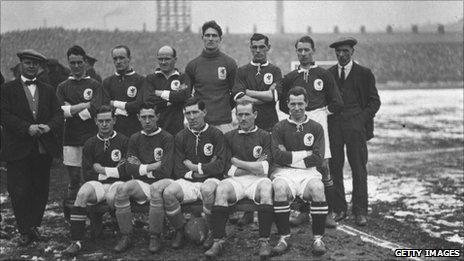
x=31, y=118
x=352, y=126
x=90, y=70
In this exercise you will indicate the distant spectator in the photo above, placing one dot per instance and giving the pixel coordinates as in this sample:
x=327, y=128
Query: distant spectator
x=90, y=62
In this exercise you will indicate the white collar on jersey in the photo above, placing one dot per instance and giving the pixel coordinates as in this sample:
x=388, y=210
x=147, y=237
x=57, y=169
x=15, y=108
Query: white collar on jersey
x=300, y=70
x=103, y=139
x=200, y=131
x=128, y=73
x=246, y=132
x=259, y=64
x=153, y=133
x=174, y=72
x=298, y=123
x=78, y=79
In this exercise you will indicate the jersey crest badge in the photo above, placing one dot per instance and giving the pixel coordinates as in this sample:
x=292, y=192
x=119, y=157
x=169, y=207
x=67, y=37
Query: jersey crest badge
x=208, y=149
x=116, y=155
x=268, y=78
x=222, y=73
x=257, y=151
x=175, y=85
x=131, y=91
x=308, y=139
x=158, y=154
x=318, y=85
x=88, y=93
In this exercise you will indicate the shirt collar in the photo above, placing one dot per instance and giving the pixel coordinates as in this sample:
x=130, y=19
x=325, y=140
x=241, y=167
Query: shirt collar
x=255, y=129
x=24, y=79
x=102, y=139
x=347, y=66
x=174, y=72
x=259, y=64
x=76, y=79
x=298, y=123
x=300, y=70
x=127, y=73
x=200, y=131
x=153, y=133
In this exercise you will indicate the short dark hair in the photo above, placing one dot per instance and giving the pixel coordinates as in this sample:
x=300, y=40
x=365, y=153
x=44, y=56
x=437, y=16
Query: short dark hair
x=245, y=103
x=103, y=109
x=297, y=91
x=147, y=106
x=305, y=39
x=174, y=52
x=128, y=52
x=211, y=24
x=76, y=50
x=195, y=100
x=257, y=37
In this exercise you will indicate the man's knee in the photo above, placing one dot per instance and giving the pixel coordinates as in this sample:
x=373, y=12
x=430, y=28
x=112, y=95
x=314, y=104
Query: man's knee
x=84, y=194
x=157, y=189
x=170, y=193
x=265, y=191
x=280, y=188
x=314, y=191
x=223, y=190
x=208, y=188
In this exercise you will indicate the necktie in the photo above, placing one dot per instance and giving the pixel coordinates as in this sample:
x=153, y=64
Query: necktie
x=342, y=74
x=29, y=82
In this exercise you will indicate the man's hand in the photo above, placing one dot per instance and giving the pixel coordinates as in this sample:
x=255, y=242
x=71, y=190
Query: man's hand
x=34, y=130
x=197, y=175
x=183, y=86
x=282, y=147
x=133, y=160
x=263, y=157
x=99, y=168
x=273, y=87
x=121, y=162
x=44, y=128
x=190, y=165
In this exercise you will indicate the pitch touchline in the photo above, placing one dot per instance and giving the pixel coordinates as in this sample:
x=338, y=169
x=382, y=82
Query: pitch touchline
x=372, y=239
x=416, y=152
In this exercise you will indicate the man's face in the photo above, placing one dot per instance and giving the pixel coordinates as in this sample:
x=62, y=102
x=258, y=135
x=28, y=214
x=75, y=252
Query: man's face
x=166, y=61
x=77, y=65
x=344, y=53
x=305, y=53
x=246, y=117
x=29, y=67
x=259, y=50
x=297, y=106
x=120, y=59
x=211, y=39
x=195, y=116
x=105, y=123
x=148, y=118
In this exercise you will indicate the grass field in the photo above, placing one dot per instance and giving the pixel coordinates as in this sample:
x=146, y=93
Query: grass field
x=416, y=194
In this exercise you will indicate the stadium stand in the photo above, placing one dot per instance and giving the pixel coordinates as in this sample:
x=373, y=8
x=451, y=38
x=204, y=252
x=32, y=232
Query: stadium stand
x=402, y=57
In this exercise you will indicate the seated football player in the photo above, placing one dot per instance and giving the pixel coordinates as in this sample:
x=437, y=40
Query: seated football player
x=297, y=150
x=250, y=149
x=200, y=154
x=149, y=159
x=103, y=170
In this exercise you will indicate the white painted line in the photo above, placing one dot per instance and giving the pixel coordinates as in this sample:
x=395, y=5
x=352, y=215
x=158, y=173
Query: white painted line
x=373, y=240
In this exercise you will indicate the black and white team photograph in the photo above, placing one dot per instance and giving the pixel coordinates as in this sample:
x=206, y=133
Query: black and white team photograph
x=231, y=130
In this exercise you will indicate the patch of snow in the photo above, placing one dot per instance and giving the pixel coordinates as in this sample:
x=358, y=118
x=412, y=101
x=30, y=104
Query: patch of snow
x=4, y=198
x=456, y=238
x=403, y=213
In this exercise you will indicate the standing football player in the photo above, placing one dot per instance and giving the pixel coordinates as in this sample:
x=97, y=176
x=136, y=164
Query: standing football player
x=298, y=149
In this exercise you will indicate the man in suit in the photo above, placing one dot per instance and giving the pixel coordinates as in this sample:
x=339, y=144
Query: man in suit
x=31, y=118
x=353, y=127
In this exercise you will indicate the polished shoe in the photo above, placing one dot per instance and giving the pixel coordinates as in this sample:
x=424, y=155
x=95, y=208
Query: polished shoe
x=155, y=244
x=340, y=216
x=208, y=243
x=178, y=240
x=361, y=220
x=216, y=249
x=329, y=221
x=318, y=247
x=265, y=248
x=25, y=239
x=73, y=249
x=123, y=244
x=297, y=218
x=246, y=219
x=281, y=247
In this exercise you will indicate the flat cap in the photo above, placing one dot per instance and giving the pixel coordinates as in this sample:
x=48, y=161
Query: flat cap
x=31, y=54
x=344, y=41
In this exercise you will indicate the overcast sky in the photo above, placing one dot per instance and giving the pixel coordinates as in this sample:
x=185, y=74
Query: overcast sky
x=239, y=16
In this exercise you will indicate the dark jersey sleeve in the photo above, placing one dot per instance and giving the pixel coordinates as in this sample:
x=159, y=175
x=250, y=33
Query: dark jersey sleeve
x=181, y=95
x=280, y=157
x=179, y=156
x=165, y=170
x=315, y=160
x=216, y=168
x=87, y=161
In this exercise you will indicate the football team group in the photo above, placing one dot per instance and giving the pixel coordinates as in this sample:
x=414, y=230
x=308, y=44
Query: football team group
x=169, y=138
